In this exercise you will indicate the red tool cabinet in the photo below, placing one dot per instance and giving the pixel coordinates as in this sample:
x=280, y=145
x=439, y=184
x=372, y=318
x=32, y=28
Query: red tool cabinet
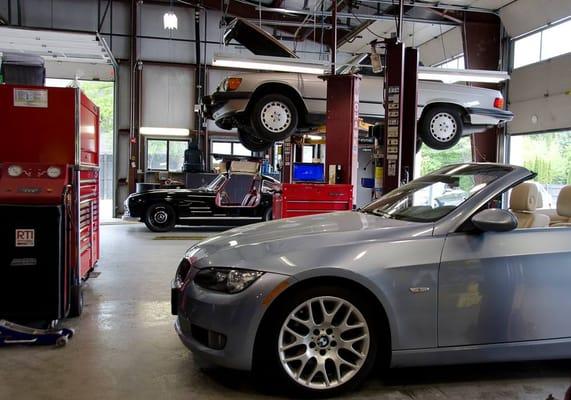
x=49, y=200
x=297, y=199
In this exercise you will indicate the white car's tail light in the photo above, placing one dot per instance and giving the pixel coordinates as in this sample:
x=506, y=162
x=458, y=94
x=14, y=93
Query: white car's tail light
x=54, y=172
x=499, y=102
x=15, y=171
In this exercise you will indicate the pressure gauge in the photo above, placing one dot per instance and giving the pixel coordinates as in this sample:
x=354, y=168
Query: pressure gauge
x=14, y=170
x=54, y=172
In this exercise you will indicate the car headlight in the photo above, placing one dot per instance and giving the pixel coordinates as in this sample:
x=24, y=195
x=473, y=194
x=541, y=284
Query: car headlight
x=226, y=280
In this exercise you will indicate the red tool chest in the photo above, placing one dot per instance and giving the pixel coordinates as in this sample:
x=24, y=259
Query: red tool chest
x=297, y=199
x=49, y=197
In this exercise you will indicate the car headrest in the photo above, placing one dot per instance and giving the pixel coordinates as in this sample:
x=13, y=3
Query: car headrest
x=564, y=202
x=524, y=197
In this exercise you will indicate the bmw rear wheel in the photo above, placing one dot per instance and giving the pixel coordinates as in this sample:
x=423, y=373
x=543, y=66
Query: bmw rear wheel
x=326, y=341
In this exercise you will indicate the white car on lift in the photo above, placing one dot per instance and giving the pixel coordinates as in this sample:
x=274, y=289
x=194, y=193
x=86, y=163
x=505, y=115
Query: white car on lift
x=270, y=106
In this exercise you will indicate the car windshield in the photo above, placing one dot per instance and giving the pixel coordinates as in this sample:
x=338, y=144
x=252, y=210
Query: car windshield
x=215, y=183
x=432, y=197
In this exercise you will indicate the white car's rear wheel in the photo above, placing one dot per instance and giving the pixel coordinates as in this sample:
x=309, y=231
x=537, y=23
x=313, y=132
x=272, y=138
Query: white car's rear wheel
x=441, y=127
x=274, y=117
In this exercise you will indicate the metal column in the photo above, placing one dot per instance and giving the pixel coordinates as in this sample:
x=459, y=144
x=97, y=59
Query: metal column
x=343, y=127
x=481, y=36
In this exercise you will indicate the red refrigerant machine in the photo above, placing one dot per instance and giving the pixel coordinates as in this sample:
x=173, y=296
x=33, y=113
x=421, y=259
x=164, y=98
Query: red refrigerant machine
x=49, y=200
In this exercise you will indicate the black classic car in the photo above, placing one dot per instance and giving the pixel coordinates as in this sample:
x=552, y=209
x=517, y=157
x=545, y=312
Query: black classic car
x=236, y=197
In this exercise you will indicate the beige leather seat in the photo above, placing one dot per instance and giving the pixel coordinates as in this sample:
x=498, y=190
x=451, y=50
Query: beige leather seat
x=524, y=200
x=564, y=207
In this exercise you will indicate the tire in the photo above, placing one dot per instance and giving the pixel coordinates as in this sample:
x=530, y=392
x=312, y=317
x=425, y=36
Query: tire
x=274, y=117
x=318, y=341
x=441, y=127
x=76, y=301
x=267, y=216
x=160, y=217
x=251, y=142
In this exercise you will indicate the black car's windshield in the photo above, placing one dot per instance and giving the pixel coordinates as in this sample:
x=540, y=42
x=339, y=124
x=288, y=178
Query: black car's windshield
x=431, y=197
x=215, y=184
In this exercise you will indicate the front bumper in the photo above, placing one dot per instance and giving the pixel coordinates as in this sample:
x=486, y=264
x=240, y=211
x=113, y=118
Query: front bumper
x=223, y=107
x=211, y=104
x=235, y=317
x=127, y=213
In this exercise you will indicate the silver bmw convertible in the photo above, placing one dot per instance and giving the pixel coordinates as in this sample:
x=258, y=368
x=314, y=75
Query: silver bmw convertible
x=315, y=302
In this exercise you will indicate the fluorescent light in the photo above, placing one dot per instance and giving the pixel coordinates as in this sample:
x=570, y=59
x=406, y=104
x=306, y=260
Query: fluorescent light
x=147, y=130
x=170, y=21
x=450, y=75
x=266, y=63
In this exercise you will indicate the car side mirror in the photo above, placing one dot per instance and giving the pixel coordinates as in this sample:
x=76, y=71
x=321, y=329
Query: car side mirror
x=495, y=220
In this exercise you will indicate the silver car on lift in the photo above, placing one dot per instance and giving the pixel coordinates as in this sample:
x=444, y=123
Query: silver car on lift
x=313, y=303
x=270, y=106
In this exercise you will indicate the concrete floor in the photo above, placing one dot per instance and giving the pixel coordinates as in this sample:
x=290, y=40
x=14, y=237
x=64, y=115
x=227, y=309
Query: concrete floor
x=126, y=348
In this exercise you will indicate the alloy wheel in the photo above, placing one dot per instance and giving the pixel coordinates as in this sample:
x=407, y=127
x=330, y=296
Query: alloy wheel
x=276, y=116
x=443, y=127
x=323, y=342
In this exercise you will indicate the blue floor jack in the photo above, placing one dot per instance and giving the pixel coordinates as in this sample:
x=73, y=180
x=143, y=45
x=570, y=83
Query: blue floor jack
x=11, y=333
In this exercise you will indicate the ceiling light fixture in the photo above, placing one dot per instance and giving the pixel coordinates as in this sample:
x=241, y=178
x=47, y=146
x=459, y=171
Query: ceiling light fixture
x=147, y=130
x=170, y=21
x=449, y=75
x=266, y=63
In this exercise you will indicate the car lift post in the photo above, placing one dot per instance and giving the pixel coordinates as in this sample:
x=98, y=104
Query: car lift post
x=400, y=102
x=341, y=151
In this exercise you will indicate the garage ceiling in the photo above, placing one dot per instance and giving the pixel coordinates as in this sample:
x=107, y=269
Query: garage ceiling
x=67, y=55
x=415, y=33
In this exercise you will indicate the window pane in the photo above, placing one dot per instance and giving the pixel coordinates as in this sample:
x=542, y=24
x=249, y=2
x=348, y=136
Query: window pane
x=547, y=154
x=527, y=49
x=222, y=148
x=456, y=63
x=157, y=154
x=556, y=41
x=240, y=150
x=431, y=160
x=307, y=155
x=176, y=154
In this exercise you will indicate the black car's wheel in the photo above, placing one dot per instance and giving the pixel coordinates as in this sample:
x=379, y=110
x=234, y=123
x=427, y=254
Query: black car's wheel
x=251, y=142
x=75, y=301
x=320, y=341
x=160, y=217
x=441, y=127
x=268, y=216
x=274, y=117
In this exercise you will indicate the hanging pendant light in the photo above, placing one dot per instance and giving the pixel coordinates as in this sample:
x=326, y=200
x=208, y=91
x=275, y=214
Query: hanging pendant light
x=170, y=21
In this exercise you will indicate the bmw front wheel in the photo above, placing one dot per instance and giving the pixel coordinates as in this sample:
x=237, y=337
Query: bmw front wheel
x=324, y=341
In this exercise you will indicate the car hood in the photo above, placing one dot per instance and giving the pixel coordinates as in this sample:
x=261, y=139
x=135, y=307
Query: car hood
x=255, y=39
x=266, y=245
